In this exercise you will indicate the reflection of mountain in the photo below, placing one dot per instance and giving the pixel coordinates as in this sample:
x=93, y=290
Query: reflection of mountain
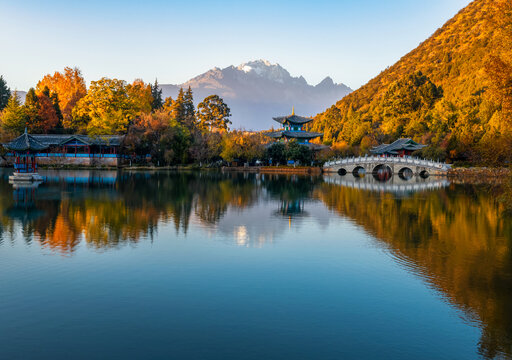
x=456, y=240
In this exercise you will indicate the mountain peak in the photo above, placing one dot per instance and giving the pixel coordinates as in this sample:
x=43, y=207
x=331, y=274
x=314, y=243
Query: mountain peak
x=258, y=90
x=327, y=82
x=265, y=69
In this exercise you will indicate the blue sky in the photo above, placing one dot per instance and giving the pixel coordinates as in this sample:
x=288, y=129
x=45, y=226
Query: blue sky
x=349, y=40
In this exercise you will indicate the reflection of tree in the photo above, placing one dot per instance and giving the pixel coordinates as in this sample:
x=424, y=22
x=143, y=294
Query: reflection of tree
x=106, y=216
x=457, y=239
x=216, y=193
x=290, y=187
x=291, y=191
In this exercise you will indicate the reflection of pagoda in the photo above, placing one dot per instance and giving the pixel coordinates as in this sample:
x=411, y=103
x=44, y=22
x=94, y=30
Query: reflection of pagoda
x=292, y=208
x=24, y=208
x=293, y=129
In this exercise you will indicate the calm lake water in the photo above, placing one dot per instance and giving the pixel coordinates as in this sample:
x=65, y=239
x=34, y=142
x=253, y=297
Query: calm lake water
x=117, y=265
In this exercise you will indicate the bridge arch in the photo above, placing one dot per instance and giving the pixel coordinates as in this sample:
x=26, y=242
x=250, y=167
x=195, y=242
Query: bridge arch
x=342, y=172
x=405, y=173
x=359, y=172
x=424, y=174
x=382, y=172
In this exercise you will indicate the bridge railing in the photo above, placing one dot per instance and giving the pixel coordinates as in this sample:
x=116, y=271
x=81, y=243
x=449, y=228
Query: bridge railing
x=406, y=160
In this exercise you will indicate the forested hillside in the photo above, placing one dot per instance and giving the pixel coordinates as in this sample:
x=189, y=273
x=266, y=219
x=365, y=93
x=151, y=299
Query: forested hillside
x=453, y=92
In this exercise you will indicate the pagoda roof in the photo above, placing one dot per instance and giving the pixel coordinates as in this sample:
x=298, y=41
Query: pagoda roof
x=400, y=144
x=293, y=119
x=25, y=142
x=294, y=134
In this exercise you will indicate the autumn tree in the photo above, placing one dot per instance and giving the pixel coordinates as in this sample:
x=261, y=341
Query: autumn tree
x=141, y=96
x=5, y=93
x=106, y=109
x=159, y=135
x=213, y=114
x=13, y=116
x=48, y=119
x=156, y=93
x=70, y=88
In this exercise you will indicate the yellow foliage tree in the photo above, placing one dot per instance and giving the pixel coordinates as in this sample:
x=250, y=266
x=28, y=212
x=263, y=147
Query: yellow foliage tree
x=106, y=109
x=140, y=93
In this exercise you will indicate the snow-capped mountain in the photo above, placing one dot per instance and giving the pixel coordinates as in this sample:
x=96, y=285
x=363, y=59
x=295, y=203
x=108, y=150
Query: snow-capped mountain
x=258, y=90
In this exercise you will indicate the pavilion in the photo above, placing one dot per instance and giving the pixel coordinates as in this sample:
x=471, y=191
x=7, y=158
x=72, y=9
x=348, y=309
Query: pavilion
x=399, y=148
x=293, y=128
x=25, y=148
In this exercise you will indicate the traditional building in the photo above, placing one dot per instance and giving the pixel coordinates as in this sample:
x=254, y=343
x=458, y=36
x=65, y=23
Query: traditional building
x=69, y=149
x=401, y=148
x=293, y=128
x=24, y=151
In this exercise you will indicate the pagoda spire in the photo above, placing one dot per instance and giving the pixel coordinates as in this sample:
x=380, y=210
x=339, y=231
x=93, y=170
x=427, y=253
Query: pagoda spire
x=293, y=110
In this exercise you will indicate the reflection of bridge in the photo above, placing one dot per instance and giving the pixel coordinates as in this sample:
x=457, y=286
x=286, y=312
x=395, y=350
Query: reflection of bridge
x=394, y=184
x=393, y=165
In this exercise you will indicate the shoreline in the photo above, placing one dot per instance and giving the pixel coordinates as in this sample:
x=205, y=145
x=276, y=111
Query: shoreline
x=454, y=173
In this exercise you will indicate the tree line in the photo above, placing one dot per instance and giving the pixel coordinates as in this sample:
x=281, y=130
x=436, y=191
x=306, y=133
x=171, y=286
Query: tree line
x=171, y=131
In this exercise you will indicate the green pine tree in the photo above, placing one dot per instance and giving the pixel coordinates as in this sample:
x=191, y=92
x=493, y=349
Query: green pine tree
x=54, y=97
x=189, y=109
x=32, y=110
x=178, y=108
x=13, y=116
x=156, y=93
x=5, y=93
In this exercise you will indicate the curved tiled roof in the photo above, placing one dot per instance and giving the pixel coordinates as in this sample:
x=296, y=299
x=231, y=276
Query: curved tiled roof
x=25, y=142
x=400, y=144
x=293, y=119
x=294, y=134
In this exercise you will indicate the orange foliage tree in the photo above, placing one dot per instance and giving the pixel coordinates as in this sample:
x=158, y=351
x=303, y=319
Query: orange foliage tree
x=70, y=88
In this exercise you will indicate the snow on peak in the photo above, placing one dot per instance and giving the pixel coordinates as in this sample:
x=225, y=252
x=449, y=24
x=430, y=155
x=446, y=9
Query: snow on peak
x=266, y=69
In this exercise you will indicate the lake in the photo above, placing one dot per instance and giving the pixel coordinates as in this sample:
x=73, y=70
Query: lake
x=118, y=265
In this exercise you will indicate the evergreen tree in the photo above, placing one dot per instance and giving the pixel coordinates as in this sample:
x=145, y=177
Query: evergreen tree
x=56, y=105
x=14, y=116
x=189, y=109
x=156, y=93
x=5, y=93
x=178, y=108
x=32, y=110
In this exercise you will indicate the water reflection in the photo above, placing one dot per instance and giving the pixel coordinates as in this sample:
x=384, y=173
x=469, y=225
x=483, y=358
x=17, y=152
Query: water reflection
x=455, y=237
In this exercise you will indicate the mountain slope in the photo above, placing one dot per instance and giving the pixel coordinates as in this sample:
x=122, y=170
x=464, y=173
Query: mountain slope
x=258, y=90
x=442, y=93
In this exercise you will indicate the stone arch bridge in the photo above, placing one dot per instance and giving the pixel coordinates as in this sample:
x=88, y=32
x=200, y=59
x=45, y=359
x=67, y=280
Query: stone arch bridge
x=392, y=165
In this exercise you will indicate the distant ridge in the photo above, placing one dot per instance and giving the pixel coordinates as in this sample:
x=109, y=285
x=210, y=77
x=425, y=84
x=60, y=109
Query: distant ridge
x=258, y=90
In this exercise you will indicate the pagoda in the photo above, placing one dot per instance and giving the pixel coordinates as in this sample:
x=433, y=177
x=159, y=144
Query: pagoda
x=293, y=128
x=25, y=148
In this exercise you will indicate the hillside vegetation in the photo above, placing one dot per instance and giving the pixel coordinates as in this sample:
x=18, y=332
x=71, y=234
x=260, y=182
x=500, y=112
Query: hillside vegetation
x=453, y=92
